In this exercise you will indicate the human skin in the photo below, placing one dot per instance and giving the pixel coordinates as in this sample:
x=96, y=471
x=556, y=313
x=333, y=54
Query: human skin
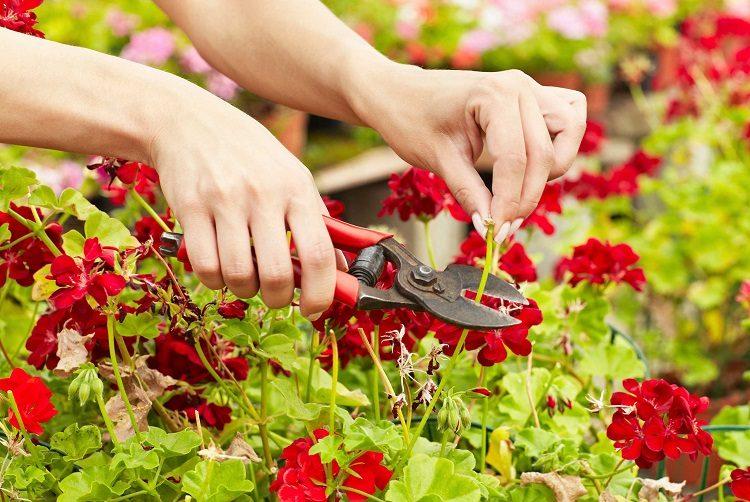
x=227, y=178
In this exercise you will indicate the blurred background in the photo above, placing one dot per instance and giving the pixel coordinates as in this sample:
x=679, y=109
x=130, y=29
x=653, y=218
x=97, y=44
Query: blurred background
x=664, y=165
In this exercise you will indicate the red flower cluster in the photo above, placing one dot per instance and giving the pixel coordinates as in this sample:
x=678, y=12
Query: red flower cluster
x=655, y=419
x=549, y=203
x=21, y=261
x=16, y=15
x=33, y=399
x=492, y=344
x=743, y=295
x=420, y=193
x=303, y=478
x=600, y=262
x=592, y=138
x=514, y=261
x=142, y=177
x=87, y=276
x=621, y=180
x=740, y=484
x=335, y=207
x=211, y=414
x=176, y=357
x=233, y=310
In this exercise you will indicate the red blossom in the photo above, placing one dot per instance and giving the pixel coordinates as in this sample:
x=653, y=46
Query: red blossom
x=482, y=391
x=549, y=204
x=492, y=344
x=143, y=178
x=655, y=419
x=335, y=207
x=740, y=484
x=89, y=275
x=32, y=398
x=178, y=358
x=743, y=295
x=422, y=194
x=21, y=261
x=592, y=138
x=620, y=180
x=233, y=310
x=302, y=478
x=16, y=15
x=514, y=261
x=600, y=263
x=211, y=414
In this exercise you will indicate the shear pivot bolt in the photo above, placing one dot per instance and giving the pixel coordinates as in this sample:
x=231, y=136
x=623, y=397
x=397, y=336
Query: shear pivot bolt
x=424, y=275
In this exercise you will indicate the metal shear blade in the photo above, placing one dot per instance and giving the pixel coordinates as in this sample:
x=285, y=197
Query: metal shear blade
x=495, y=287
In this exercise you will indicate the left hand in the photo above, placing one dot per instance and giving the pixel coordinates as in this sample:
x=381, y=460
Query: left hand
x=442, y=119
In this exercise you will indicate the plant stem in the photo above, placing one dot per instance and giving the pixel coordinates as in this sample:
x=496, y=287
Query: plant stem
x=107, y=420
x=461, y=341
x=714, y=486
x=334, y=383
x=483, y=450
x=118, y=377
x=375, y=386
x=704, y=477
x=615, y=472
x=262, y=427
x=532, y=404
x=3, y=294
x=37, y=229
x=360, y=492
x=150, y=210
x=443, y=443
x=428, y=243
x=314, y=341
x=21, y=425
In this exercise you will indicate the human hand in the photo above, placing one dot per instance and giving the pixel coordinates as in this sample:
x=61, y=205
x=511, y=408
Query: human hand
x=227, y=178
x=442, y=119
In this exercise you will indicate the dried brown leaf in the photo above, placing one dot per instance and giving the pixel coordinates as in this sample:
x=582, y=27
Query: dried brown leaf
x=71, y=349
x=241, y=449
x=154, y=382
x=651, y=487
x=118, y=412
x=565, y=488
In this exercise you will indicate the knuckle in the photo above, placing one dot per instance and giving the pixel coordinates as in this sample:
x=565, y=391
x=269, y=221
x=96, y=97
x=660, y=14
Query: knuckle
x=319, y=255
x=237, y=276
x=516, y=160
x=275, y=277
x=463, y=195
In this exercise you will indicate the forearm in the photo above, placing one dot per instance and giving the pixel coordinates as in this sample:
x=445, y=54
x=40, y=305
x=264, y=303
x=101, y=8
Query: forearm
x=294, y=52
x=72, y=99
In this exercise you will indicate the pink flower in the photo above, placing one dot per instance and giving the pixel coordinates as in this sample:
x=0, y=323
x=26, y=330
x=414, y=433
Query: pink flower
x=478, y=41
x=661, y=8
x=120, y=23
x=595, y=17
x=192, y=62
x=152, y=47
x=589, y=19
x=221, y=85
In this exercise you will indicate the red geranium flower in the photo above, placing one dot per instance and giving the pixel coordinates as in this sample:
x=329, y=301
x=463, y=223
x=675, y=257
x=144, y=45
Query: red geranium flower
x=621, y=180
x=211, y=414
x=492, y=344
x=592, y=138
x=740, y=484
x=549, y=204
x=367, y=474
x=420, y=193
x=33, y=399
x=16, y=15
x=87, y=275
x=514, y=260
x=233, y=310
x=21, y=261
x=142, y=177
x=335, y=207
x=600, y=262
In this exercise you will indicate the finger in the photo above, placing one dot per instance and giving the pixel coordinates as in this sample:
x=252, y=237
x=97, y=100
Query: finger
x=200, y=241
x=568, y=126
x=505, y=144
x=540, y=155
x=274, y=263
x=316, y=254
x=341, y=262
x=467, y=187
x=235, y=255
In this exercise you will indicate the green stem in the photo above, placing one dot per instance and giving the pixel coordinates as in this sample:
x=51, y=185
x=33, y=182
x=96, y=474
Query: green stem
x=443, y=443
x=459, y=346
x=428, y=243
x=17, y=241
x=334, y=383
x=21, y=425
x=3, y=294
x=107, y=420
x=375, y=386
x=360, y=492
x=483, y=450
x=314, y=341
x=150, y=210
x=704, y=478
x=262, y=427
x=130, y=496
x=118, y=377
x=37, y=229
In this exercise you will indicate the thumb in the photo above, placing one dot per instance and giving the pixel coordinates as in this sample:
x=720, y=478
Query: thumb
x=467, y=187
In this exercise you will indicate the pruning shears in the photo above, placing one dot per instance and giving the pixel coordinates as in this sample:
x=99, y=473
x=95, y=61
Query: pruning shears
x=417, y=286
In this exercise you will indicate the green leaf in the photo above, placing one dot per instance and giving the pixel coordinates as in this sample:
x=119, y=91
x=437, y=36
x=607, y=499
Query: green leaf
x=14, y=184
x=239, y=332
x=110, y=231
x=172, y=444
x=5, y=234
x=614, y=360
x=514, y=406
x=88, y=485
x=383, y=436
x=74, y=203
x=43, y=196
x=433, y=479
x=77, y=442
x=329, y=449
x=733, y=446
x=278, y=347
x=294, y=407
x=217, y=481
x=133, y=456
x=144, y=324
x=73, y=243
x=321, y=386
x=463, y=460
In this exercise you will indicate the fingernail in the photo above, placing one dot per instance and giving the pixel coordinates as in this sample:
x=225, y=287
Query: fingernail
x=503, y=232
x=478, y=222
x=314, y=317
x=515, y=225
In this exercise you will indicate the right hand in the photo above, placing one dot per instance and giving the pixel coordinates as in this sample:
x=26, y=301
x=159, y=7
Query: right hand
x=227, y=179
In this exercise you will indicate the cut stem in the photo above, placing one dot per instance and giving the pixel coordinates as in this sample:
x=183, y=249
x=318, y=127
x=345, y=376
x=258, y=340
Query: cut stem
x=334, y=383
x=118, y=377
x=532, y=404
x=428, y=244
x=150, y=210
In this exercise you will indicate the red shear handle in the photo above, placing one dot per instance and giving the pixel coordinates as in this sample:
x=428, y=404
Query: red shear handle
x=347, y=286
x=352, y=238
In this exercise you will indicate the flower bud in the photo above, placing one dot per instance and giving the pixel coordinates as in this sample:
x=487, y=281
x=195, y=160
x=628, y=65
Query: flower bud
x=85, y=383
x=454, y=415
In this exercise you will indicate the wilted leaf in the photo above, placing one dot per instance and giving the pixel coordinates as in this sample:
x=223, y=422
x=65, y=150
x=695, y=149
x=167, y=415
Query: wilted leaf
x=71, y=350
x=154, y=382
x=119, y=414
x=565, y=488
x=43, y=287
x=241, y=449
x=499, y=455
x=651, y=488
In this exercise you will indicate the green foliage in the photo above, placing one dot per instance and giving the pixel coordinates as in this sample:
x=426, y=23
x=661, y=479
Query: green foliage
x=217, y=481
x=77, y=442
x=733, y=446
x=433, y=479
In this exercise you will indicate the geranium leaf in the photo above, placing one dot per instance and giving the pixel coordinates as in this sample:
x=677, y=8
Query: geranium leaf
x=110, y=231
x=434, y=479
x=383, y=436
x=77, y=442
x=294, y=406
x=74, y=203
x=733, y=446
x=614, y=360
x=217, y=481
x=4, y=232
x=73, y=243
x=14, y=184
x=144, y=324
